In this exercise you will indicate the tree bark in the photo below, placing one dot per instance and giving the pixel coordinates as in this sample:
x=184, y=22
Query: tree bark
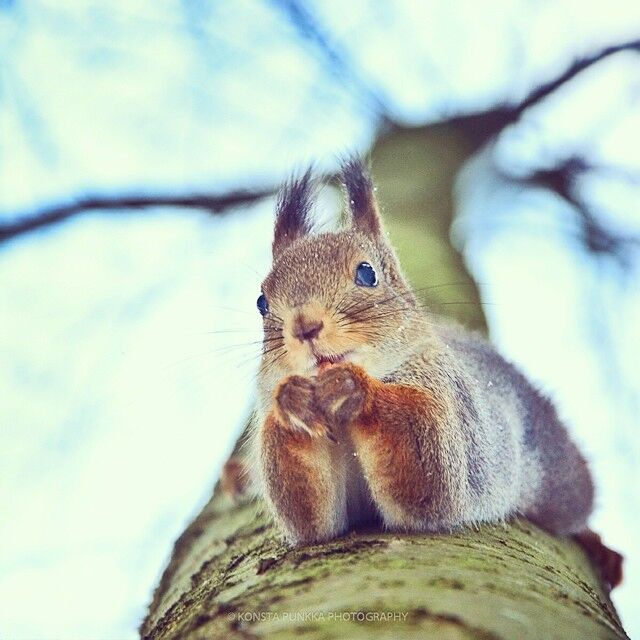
x=231, y=577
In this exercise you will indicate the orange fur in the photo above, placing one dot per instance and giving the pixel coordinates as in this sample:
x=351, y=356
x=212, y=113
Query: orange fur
x=404, y=486
x=303, y=481
x=305, y=473
x=403, y=470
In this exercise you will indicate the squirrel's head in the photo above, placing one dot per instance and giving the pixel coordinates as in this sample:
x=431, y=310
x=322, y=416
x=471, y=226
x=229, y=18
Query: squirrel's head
x=337, y=296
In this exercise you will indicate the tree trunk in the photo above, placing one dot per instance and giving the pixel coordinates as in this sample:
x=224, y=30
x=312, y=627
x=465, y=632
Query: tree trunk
x=231, y=577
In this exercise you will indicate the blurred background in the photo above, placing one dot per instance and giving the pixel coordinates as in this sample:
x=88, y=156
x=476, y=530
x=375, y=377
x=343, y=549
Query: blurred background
x=140, y=147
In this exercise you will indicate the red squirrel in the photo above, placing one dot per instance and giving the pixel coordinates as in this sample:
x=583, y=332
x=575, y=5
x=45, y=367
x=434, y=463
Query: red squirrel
x=370, y=410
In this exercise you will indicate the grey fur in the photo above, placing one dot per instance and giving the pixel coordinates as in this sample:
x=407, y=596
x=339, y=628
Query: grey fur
x=482, y=442
x=518, y=456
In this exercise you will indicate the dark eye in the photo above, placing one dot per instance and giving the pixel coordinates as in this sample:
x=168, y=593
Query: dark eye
x=365, y=275
x=263, y=305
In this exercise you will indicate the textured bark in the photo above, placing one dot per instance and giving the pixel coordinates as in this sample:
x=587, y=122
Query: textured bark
x=231, y=577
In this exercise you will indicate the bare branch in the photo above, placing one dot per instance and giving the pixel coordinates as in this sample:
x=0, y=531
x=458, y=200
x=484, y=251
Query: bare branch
x=213, y=203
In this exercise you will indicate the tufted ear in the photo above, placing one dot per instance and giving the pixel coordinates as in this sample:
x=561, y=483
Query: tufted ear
x=361, y=197
x=367, y=219
x=292, y=212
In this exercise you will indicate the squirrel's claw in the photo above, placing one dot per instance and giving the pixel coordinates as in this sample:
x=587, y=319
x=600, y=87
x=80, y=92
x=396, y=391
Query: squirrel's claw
x=296, y=408
x=340, y=393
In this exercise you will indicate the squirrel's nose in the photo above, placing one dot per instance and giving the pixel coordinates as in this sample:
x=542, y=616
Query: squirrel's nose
x=305, y=329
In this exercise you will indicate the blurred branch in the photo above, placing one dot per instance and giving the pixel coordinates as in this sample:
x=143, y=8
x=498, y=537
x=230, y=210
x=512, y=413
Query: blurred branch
x=481, y=127
x=478, y=129
x=595, y=237
x=215, y=204
x=337, y=61
x=561, y=180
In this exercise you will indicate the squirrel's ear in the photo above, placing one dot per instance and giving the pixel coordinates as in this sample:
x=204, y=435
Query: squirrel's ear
x=292, y=212
x=361, y=197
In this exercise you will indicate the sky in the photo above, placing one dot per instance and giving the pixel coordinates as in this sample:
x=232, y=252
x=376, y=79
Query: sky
x=110, y=370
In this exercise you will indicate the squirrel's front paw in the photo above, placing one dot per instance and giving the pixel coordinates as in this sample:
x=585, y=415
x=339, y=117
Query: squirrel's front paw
x=340, y=393
x=295, y=405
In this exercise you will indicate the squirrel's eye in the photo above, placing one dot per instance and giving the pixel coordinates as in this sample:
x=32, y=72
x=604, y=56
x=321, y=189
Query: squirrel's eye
x=365, y=275
x=262, y=304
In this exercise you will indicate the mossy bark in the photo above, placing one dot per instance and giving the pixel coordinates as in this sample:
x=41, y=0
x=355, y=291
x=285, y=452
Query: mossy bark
x=231, y=577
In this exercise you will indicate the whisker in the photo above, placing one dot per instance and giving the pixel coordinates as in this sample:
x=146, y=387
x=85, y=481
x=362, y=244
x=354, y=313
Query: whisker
x=248, y=266
x=219, y=331
x=245, y=311
x=238, y=345
x=363, y=318
x=372, y=317
x=416, y=290
x=371, y=305
x=263, y=353
x=272, y=348
x=268, y=364
x=482, y=304
x=218, y=351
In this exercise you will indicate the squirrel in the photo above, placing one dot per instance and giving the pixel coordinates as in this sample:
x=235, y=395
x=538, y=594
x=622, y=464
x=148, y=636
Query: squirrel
x=369, y=411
